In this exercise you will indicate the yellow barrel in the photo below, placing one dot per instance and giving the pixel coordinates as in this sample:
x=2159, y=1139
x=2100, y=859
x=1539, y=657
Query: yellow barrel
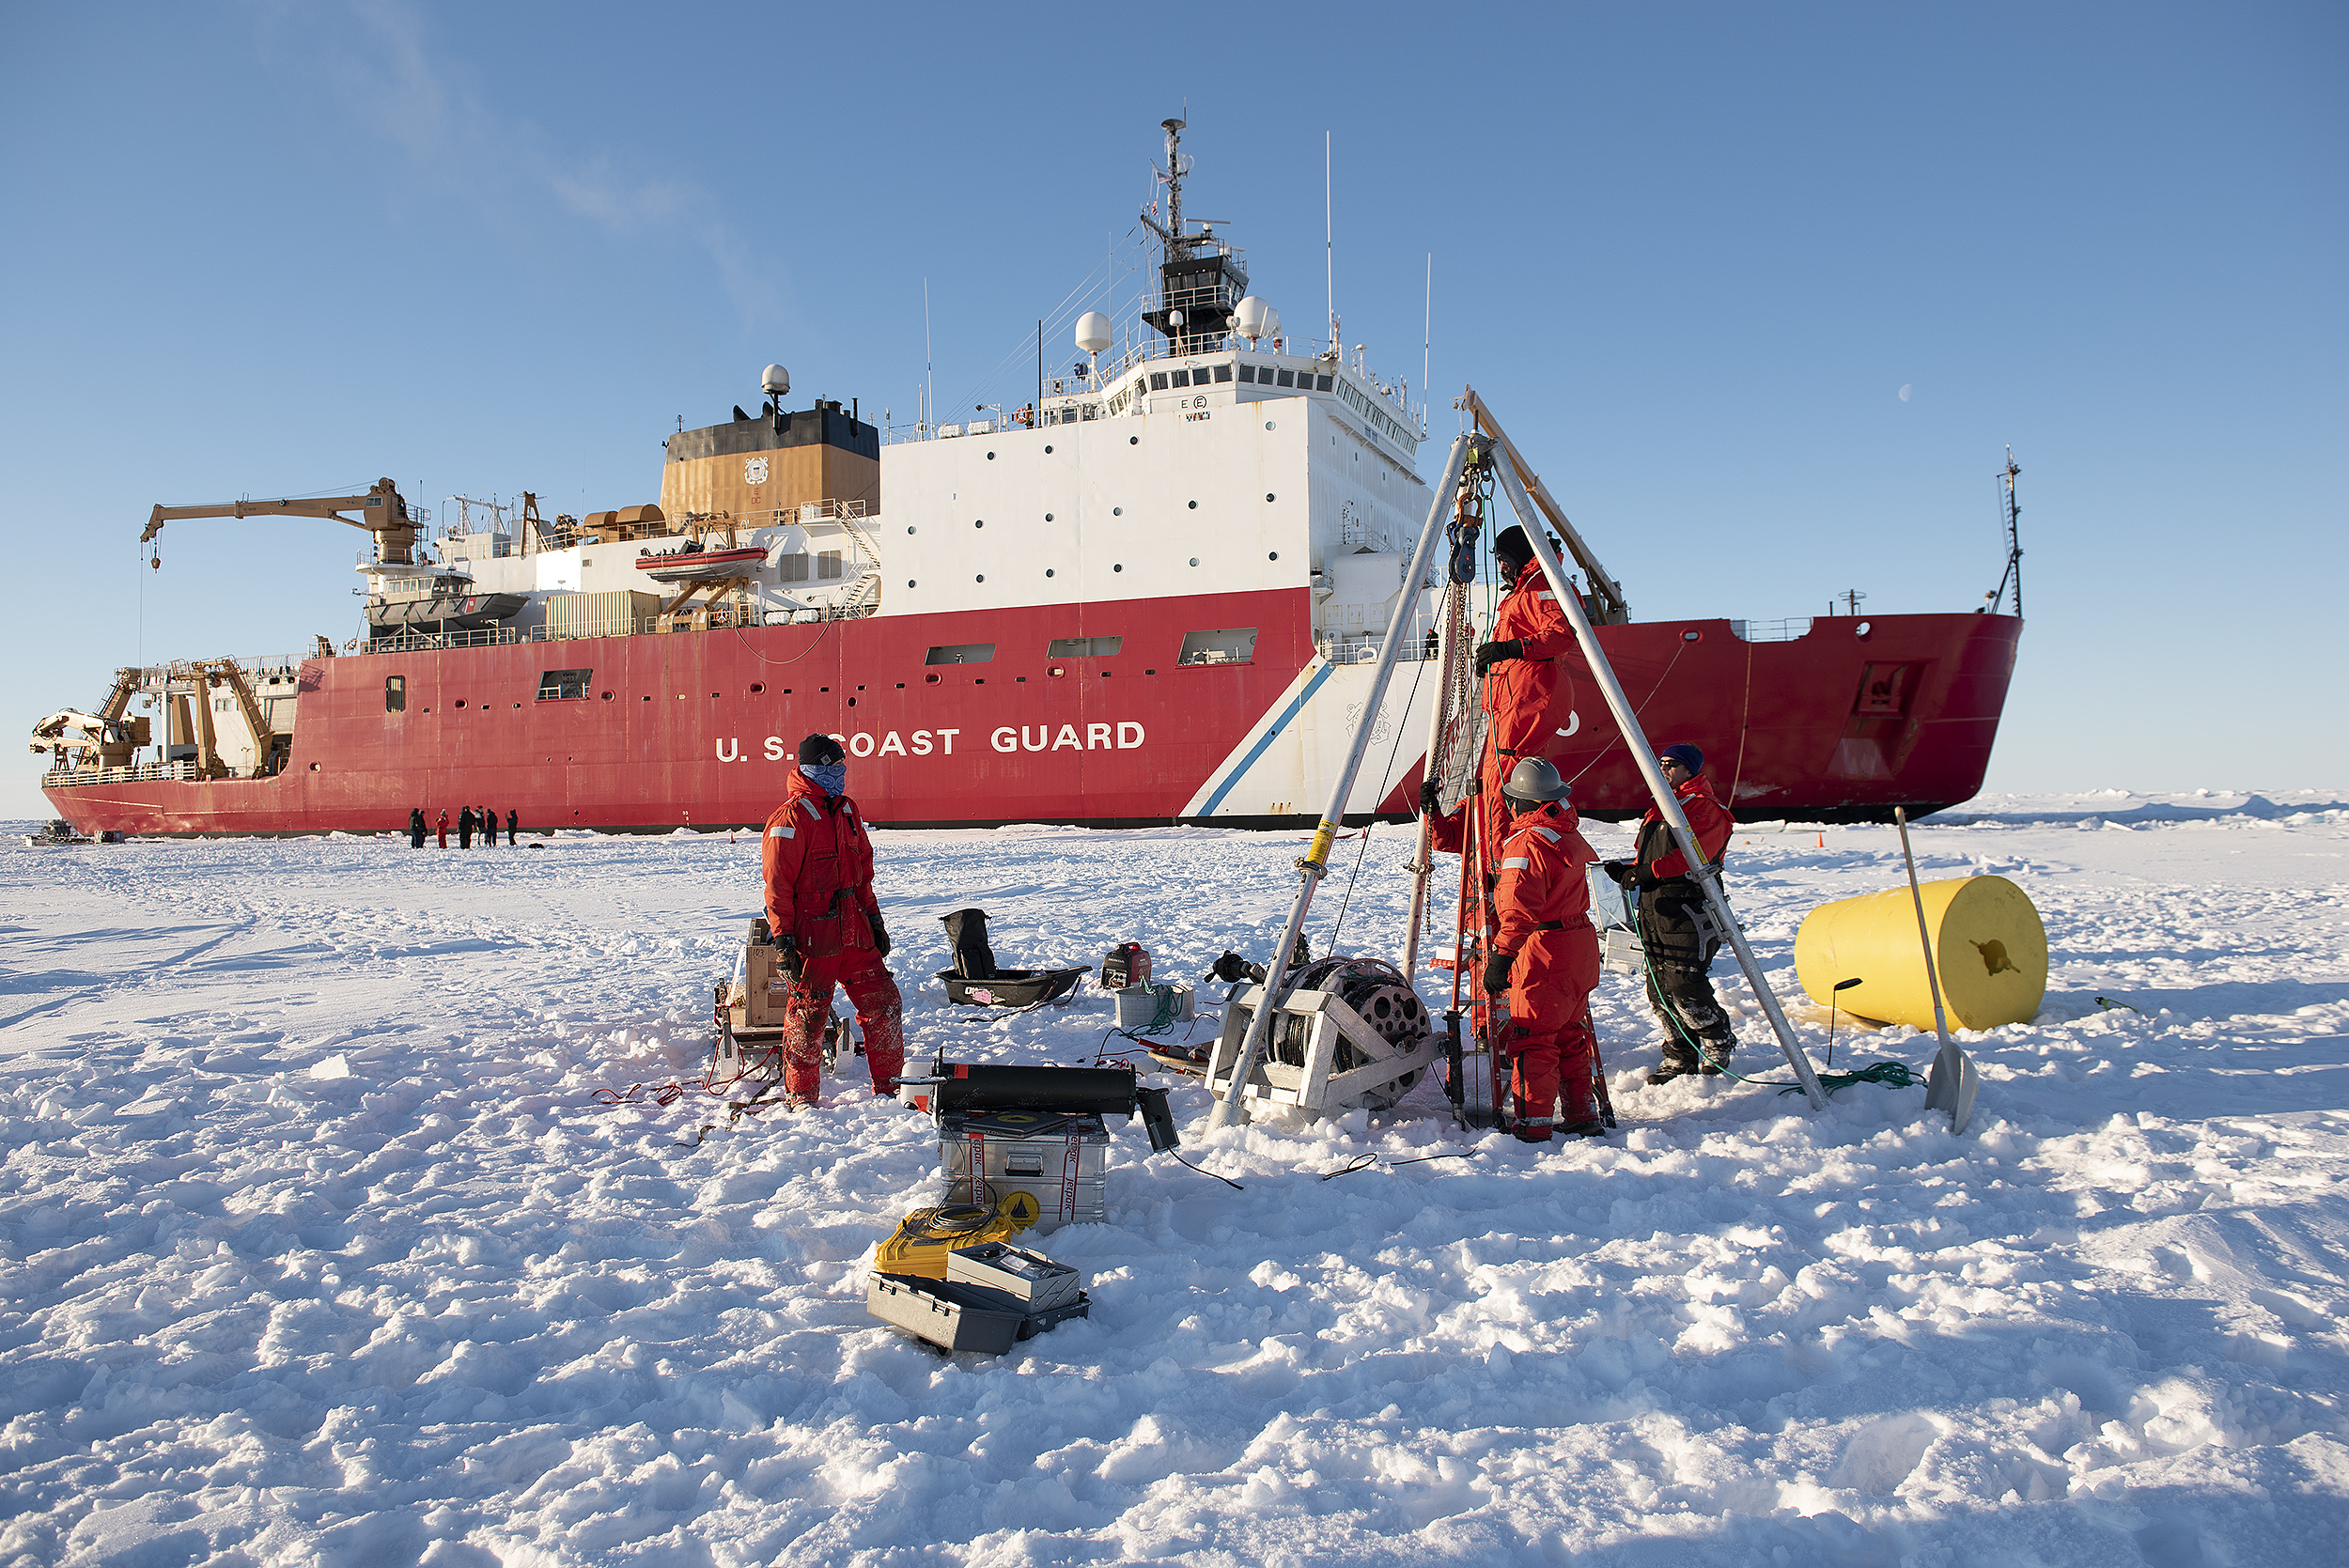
x=1988, y=945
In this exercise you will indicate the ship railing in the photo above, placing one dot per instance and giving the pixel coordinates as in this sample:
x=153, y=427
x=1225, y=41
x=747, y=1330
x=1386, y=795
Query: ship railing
x=420, y=642
x=65, y=778
x=1786, y=631
x=1362, y=647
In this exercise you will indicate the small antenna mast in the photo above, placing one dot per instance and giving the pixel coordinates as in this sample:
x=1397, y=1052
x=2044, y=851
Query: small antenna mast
x=1427, y=342
x=1328, y=247
x=2010, y=515
x=929, y=381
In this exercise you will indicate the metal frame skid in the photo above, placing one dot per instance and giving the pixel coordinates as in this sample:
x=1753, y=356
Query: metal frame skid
x=1315, y=1087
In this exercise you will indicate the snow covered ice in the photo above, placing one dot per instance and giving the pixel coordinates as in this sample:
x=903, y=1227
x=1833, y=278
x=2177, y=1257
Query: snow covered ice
x=318, y=1247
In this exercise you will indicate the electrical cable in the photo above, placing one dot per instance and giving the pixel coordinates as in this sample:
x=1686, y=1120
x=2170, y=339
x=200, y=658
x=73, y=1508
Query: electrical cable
x=1225, y=1180
x=1365, y=1160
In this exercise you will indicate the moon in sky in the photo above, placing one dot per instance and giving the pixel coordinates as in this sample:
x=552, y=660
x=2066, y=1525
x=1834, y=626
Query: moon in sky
x=1905, y=392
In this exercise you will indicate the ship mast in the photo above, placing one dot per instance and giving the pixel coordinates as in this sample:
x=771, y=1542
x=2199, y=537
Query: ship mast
x=2011, y=514
x=1201, y=282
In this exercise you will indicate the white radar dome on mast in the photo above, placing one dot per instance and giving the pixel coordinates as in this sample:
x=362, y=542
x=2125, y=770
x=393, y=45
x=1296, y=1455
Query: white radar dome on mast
x=1252, y=318
x=1093, y=331
x=775, y=381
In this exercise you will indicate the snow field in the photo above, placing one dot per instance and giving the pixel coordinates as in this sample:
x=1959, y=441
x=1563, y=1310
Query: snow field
x=318, y=1247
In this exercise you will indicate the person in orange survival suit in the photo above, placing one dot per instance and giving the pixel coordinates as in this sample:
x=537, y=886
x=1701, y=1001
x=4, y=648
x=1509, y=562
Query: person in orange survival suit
x=1545, y=955
x=1520, y=674
x=818, y=864
x=1519, y=666
x=1675, y=929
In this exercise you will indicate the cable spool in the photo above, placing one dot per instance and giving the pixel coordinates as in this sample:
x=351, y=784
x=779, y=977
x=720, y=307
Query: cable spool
x=1378, y=992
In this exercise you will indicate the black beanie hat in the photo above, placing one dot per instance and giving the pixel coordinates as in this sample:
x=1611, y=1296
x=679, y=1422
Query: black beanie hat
x=820, y=751
x=1511, y=546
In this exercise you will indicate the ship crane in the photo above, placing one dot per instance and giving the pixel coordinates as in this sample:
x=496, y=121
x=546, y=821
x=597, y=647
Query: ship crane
x=381, y=513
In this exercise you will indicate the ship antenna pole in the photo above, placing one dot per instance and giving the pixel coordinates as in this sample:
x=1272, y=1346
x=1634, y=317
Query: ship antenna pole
x=1316, y=863
x=1329, y=250
x=929, y=380
x=1705, y=874
x=2014, y=533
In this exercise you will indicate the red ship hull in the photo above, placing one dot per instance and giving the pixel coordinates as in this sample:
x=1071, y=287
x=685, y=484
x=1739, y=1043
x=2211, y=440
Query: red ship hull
x=697, y=728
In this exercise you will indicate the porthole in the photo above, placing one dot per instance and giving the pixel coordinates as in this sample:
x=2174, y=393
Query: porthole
x=1195, y=560
x=980, y=522
x=1120, y=566
x=1692, y=636
x=314, y=767
x=1048, y=451
x=607, y=697
x=1862, y=628
x=991, y=456
x=1195, y=505
x=1048, y=572
x=1267, y=425
x=1133, y=440
x=909, y=526
x=1273, y=556
x=1117, y=511
x=1268, y=495
x=929, y=680
x=1048, y=516
x=758, y=686
x=981, y=578
x=909, y=582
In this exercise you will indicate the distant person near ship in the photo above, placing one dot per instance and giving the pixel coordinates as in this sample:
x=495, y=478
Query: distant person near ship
x=415, y=828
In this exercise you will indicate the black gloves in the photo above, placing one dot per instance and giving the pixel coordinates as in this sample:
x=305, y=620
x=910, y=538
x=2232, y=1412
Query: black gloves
x=1490, y=654
x=1622, y=873
x=1497, y=973
x=1430, y=798
x=880, y=935
x=787, y=957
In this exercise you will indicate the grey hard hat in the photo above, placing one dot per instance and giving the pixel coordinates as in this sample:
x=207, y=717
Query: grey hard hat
x=1534, y=780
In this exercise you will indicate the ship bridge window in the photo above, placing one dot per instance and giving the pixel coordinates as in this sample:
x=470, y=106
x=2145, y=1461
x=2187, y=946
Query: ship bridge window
x=1225, y=646
x=395, y=693
x=1084, y=647
x=1179, y=377
x=794, y=567
x=1223, y=372
x=961, y=653
x=1157, y=381
x=1286, y=377
x=564, y=685
x=828, y=565
x=1322, y=383
x=1248, y=373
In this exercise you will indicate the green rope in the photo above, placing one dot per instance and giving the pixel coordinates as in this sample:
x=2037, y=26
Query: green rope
x=1893, y=1074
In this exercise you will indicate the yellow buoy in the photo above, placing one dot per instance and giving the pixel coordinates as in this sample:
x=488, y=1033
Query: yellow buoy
x=1988, y=946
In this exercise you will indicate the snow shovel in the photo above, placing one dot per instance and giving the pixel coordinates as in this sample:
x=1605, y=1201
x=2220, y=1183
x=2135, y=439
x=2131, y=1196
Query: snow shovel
x=1951, y=1084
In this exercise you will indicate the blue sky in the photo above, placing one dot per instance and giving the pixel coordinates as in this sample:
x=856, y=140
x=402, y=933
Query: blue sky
x=1691, y=255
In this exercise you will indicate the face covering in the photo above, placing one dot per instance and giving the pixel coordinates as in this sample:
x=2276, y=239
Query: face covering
x=830, y=777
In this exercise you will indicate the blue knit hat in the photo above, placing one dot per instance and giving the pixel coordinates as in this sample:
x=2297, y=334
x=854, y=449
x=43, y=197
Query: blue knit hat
x=1686, y=755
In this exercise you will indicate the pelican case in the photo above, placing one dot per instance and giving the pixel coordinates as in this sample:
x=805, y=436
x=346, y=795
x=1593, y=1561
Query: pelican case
x=956, y=1316
x=1035, y=1281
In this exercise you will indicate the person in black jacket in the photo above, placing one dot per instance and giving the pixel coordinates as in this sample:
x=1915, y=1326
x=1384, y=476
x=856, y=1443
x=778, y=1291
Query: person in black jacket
x=415, y=828
x=464, y=828
x=1675, y=929
x=512, y=821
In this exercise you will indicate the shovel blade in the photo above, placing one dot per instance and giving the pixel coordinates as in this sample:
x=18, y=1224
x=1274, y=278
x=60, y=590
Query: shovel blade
x=1953, y=1084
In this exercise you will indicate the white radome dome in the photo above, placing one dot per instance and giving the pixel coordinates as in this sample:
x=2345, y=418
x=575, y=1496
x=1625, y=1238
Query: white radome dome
x=776, y=380
x=1093, y=331
x=1250, y=316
